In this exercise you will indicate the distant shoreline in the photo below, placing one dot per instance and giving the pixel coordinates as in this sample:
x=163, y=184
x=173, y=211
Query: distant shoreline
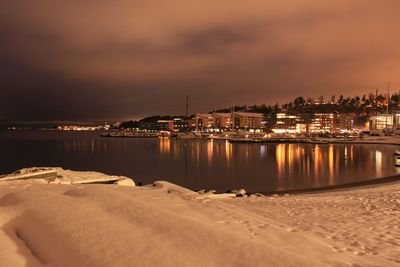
x=301, y=140
x=369, y=140
x=322, y=142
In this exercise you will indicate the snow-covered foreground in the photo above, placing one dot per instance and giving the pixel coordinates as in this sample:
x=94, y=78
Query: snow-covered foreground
x=166, y=225
x=363, y=221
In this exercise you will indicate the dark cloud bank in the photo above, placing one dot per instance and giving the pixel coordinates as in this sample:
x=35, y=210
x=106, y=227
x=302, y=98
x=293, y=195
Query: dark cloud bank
x=80, y=60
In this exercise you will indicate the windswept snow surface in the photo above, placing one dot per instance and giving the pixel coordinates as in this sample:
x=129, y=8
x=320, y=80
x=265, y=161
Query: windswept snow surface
x=362, y=221
x=166, y=225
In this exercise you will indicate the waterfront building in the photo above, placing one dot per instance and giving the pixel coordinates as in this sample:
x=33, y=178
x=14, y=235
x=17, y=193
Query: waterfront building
x=381, y=122
x=286, y=123
x=164, y=125
x=177, y=125
x=222, y=120
x=269, y=121
x=181, y=125
x=203, y=121
x=343, y=122
x=322, y=123
x=313, y=123
x=396, y=121
x=247, y=120
x=302, y=128
x=160, y=125
x=192, y=123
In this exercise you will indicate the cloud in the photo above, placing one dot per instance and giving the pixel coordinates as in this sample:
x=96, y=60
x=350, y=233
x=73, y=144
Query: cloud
x=100, y=59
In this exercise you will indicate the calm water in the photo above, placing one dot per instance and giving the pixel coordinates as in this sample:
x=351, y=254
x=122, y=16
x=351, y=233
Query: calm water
x=199, y=164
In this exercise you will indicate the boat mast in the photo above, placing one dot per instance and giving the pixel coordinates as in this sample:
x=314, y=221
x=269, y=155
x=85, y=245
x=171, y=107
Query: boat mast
x=187, y=106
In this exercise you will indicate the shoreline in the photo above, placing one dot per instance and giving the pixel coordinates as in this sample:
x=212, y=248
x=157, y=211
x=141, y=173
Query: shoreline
x=51, y=175
x=314, y=142
x=392, y=179
x=373, y=140
x=300, y=140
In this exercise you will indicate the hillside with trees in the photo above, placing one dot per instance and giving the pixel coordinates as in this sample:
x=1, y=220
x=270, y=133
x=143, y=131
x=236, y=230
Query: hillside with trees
x=362, y=107
x=365, y=105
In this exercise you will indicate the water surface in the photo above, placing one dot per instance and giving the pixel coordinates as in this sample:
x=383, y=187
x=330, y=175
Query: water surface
x=199, y=164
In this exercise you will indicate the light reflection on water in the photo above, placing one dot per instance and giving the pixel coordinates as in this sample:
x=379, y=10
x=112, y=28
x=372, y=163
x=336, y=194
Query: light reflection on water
x=201, y=164
x=315, y=165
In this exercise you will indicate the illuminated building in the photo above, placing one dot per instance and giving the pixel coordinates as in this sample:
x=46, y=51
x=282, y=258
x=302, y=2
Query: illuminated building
x=286, y=123
x=181, y=125
x=247, y=120
x=313, y=123
x=382, y=122
x=164, y=125
x=222, y=120
x=177, y=125
x=344, y=122
x=322, y=123
x=203, y=121
x=192, y=123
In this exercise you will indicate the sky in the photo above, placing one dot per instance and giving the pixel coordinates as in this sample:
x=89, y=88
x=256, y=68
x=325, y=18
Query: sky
x=103, y=60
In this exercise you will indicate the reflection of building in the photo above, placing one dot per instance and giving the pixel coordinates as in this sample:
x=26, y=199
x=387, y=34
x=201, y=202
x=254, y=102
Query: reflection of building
x=286, y=123
x=203, y=121
x=222, y=120
x=322, y=123
x=165, y=145
x=247, y=120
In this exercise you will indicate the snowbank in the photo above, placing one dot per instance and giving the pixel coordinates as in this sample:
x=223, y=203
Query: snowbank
x=60, y=176
x=167, y=225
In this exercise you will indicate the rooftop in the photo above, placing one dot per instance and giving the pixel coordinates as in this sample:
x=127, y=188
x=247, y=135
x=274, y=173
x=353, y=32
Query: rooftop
x=248, y=114
x=222, y=114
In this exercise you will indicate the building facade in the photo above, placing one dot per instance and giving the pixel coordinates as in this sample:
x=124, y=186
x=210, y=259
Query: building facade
x=286, y=123
x=165, y=125
x=322, y=123
x=181, y=125
x=344, y=123
x=203, y=121
x=247, y=120
x=385, y=122
x=222, y=120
